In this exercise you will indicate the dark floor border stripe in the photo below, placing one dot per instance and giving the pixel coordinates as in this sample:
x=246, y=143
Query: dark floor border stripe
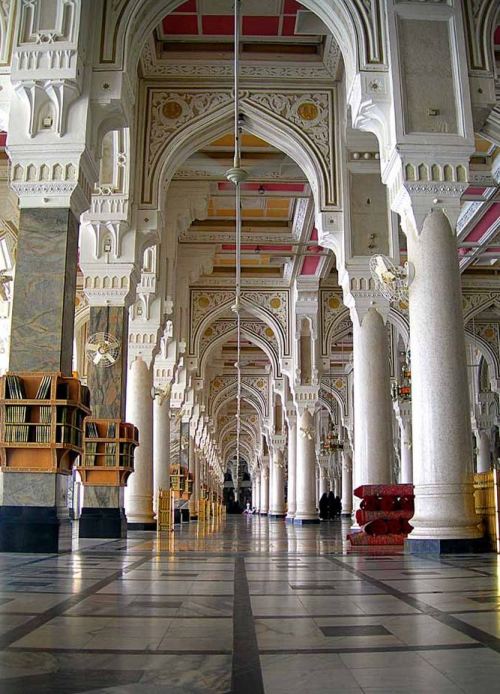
x=23, y=630
x=472, y=632
x=116, y=651
x=246, y=676
x=374, y=649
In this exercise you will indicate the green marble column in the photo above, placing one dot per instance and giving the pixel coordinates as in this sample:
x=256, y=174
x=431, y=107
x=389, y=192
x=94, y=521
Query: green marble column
x=43, y=309
x=103, y=513
x=34, y=514
x=108, y=385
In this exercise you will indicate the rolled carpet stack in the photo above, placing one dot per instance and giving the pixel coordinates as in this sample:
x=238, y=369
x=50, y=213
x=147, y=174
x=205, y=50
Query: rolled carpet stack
x=383, y=515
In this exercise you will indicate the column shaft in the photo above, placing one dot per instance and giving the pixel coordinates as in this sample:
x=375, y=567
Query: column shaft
x=139, y=493
x=305, y=510
x=346, y=482
x=444, y=517
x=277, y=505
x=161, y=448
x=264, y=491
x=372, y=401
x=484, y=457
x=43, y=307
x=292, y=468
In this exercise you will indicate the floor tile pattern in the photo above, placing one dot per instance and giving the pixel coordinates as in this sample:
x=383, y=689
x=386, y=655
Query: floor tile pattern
x=251, y=606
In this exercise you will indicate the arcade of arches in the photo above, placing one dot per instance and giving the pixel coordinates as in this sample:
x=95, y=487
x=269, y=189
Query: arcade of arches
x=367, y=128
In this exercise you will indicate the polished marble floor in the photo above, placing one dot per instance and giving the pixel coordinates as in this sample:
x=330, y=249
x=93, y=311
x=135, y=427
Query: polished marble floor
x=247, y=607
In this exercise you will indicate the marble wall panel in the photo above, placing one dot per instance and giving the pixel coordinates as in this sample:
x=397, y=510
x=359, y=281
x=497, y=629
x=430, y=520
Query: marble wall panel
x=43, y=307
x=103, y=497
x=33, y=489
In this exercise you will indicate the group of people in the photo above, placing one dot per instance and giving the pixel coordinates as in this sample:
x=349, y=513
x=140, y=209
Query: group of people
x=330, y=506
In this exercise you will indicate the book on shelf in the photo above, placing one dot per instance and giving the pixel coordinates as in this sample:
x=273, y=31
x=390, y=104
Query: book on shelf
x=43, y=392
x=111, y=433
x=16, y=433
x=92, y=431
x=15, y=388
x=42, y=433
x=109, y=454
x=15, y=414
x=90, y=453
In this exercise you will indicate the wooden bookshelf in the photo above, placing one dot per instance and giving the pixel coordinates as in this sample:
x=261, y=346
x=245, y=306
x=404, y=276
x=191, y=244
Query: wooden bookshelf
x=108, y=452
x=41, y=421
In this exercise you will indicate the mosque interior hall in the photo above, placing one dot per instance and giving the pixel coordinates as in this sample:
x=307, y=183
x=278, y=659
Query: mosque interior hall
x=249, y=346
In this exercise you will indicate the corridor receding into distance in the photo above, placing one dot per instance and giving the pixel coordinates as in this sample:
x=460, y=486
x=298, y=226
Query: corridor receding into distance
x=247, y=605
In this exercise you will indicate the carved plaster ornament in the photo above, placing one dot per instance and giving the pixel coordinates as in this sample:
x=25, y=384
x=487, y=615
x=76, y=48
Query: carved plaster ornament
x=5, y=280
x=392, y=281
x=307, y=433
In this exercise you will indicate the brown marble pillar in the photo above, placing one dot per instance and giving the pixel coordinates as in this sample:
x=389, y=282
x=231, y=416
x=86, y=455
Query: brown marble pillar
x=108, y=385
x=43, y=309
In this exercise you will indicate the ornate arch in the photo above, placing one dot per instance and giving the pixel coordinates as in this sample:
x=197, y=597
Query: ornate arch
x=219, y=302
x=221, y=339
x=336, y=386
x=489, y=354
x=228, y=392
x=355, y=24
x=476, y=303
x=205, y=114
x=328, y=407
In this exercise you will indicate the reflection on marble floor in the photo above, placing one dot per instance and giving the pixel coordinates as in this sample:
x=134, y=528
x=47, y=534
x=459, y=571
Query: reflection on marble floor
x=252, y=601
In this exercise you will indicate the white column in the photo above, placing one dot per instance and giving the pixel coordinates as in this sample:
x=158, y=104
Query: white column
x=264, y=490
x=139, y=492
x=161, y=447
x=483, y=457
x=406, y=474
x=292, y=466
x=305, y=511
x=277, y=504
x=372, y=401
x=323, y=483
x=442, y=449
x=257, y=491
x=346, y=482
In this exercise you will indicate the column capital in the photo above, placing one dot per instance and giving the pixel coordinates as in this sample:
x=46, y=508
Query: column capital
x=306, y=399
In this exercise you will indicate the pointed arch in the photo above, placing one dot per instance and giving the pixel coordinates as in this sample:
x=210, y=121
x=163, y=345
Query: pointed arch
x=217, y=342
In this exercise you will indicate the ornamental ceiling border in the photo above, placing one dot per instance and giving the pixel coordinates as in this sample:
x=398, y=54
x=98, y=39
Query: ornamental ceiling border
x=272, y=304
x=309, y=114
x=121, y=33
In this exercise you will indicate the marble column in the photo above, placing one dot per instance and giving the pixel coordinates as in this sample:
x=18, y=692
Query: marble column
x=323, y=484
x=346, y=496
x=277, y=502
x=256, y=503
x=406, y=474
x=139, y=493
x=484, y=455
x=161, y=447
x=34, y=516
x=197, y=483
x=444, y=520
x=43, y=306
x=372, y=401
x=305, y=510
x=292, y=467
x=103, y=513
x=264, y=491
x=108, y=386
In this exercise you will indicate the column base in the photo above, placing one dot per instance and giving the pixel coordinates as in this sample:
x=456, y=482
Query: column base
x=103, y=523
x=445, y=546
x=34, y=529
x=290, y=519
x=346, y=514
x=277, y=516
x=306, y=521
x=149, y=525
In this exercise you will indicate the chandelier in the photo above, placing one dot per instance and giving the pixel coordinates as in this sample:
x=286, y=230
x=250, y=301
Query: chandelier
x=330, y=443
x=402, y=390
